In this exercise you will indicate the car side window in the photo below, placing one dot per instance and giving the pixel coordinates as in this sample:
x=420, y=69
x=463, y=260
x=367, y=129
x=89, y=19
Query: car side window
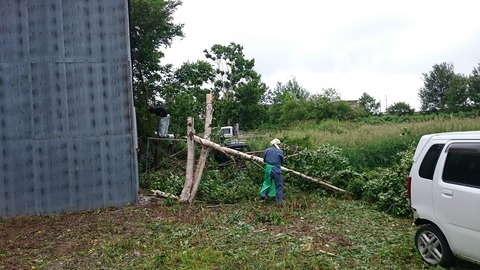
x=427, y=168
x=462, y=165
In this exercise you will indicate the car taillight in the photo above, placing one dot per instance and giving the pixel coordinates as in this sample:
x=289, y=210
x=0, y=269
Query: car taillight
x=409, y=189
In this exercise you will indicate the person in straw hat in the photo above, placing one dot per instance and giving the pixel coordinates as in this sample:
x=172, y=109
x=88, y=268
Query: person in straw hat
x=273, y=180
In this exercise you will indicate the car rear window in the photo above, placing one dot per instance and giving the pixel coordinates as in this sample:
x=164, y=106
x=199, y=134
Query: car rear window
x=462, y=165
x=427, y=168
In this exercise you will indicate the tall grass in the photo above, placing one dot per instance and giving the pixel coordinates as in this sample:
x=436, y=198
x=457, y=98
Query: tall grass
x=367, y=145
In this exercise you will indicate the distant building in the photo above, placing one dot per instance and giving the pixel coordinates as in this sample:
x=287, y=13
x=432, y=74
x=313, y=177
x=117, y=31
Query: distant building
x=353, y=103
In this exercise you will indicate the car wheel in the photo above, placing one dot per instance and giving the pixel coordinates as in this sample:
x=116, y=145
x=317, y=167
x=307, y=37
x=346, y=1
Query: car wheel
x=433, y=246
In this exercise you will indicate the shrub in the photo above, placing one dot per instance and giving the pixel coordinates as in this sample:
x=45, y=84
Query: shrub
x=164, y=181
x=229, y=185
x=386, y=187
x=325, y=162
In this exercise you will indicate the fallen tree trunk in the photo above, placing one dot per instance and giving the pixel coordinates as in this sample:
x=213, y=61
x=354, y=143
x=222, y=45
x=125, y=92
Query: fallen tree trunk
x=162, y=194
x=234, y=152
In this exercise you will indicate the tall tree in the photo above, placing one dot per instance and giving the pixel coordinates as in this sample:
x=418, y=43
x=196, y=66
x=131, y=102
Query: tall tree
x=288, y=103
x=328, y=105
x=151, y=29
x=368, y=103
x=331, y=94
x=456, y=96
x=436, y=83
x=238, y=89
x=185, y=94
x=293, y=87
x=474, y=87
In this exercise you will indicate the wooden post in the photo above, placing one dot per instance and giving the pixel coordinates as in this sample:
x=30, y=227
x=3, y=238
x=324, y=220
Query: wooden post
x=205, y=150
x=187, y=187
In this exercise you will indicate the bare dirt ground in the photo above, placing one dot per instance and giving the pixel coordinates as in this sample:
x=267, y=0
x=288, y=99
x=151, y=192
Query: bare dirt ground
x=26, y=241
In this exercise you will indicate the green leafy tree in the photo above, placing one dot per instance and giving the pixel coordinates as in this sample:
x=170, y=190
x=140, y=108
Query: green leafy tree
x=436, y=83
x=151, y=29
x=400, y=108
x=331, y=94
x=342, y=111
x=328, y=105
x=288, y=103
x=370, y=105
x=474, y=87
x=185, y=94
x=456, y=97
x=238, y=89
x=320, y=107
x=293, y=88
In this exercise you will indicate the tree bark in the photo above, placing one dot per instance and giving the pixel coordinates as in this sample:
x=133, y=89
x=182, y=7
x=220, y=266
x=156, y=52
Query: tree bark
x=187, y=187
x=205, y=150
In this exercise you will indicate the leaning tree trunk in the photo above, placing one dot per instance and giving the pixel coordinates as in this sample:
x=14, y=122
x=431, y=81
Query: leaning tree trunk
x=205, y=150
x=187, y=186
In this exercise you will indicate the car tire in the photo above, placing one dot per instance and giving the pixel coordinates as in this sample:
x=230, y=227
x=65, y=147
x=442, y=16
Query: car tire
x=433, y=246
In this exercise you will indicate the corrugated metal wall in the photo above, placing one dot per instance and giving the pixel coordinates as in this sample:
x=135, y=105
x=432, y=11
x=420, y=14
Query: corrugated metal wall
x=67, y=130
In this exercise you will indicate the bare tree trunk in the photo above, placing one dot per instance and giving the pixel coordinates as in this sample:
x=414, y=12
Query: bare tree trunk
x=205, y=150
x=187, y=187
x=230, y=151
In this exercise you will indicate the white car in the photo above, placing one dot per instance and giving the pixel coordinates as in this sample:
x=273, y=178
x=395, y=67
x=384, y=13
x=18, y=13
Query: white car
x=444, y=193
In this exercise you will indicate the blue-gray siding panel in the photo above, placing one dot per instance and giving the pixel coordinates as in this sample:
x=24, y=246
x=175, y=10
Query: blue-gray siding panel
x=49, y=98
x=66, y=107
x=16, y=121
x=14, y=44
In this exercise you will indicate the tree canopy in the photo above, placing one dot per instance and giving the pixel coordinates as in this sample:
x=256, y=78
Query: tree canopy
x=436, y=83
x=369, y=104
x=238, y=88
x=151, y=29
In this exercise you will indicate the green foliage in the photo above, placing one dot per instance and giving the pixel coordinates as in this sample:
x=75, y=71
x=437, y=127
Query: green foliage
x=436, y=83
x=474, y=87
x=331, y=94
x=226, y=187
x=293, y=145
x=378, y=153
x=167, y=182
x=325, y=162
x=292, y=89
x=368, y=103
x=400, y=108
x=238, y=89
x=456, y=98
x=386, y=187
x=151, y=29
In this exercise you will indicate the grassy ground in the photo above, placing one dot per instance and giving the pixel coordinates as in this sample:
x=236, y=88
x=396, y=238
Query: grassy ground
x=308, y=232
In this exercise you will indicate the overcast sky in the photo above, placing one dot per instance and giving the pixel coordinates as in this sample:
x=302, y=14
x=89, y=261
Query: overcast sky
x=375, y=46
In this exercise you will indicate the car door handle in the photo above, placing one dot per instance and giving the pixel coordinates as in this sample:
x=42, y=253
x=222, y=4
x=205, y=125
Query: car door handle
x=447, y=192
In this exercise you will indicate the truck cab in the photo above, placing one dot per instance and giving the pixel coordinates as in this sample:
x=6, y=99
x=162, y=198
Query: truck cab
x=227, y=132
